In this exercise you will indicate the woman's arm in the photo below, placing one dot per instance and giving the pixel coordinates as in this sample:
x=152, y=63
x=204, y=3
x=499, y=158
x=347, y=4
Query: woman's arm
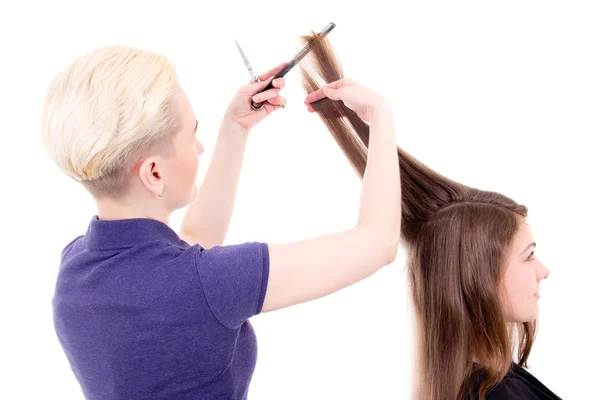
x=207, y=219
x=309, y=269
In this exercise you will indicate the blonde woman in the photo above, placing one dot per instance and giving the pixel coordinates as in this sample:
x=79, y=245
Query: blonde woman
x=143, y=311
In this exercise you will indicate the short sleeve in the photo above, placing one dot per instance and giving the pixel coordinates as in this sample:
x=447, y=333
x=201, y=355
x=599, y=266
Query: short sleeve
x=234, y=280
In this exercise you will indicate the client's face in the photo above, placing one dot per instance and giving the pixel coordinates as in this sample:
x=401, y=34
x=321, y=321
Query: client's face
x=522, y=278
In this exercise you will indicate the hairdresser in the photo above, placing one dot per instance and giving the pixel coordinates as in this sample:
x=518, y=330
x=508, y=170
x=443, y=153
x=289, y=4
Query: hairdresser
x=144, y=311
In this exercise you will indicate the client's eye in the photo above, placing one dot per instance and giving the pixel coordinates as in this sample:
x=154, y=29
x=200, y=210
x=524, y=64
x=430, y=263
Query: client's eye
x=530, y=258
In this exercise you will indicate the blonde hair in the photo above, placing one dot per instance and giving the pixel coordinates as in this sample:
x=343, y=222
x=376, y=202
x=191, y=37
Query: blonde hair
x=107, y=109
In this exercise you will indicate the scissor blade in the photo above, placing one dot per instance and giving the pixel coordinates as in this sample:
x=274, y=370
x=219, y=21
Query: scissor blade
x=246, y=62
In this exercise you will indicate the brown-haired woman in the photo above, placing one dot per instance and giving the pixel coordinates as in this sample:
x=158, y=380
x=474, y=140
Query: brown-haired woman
x=473, y=275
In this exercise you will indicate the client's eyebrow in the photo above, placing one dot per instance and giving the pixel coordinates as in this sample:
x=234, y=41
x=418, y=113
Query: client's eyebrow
x=530, y=245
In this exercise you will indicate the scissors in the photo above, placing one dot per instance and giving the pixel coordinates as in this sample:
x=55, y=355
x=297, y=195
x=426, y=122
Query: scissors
x=305, y=50
x=252, y=75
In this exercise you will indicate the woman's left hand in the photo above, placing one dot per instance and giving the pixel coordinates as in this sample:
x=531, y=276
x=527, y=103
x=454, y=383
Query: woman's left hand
x=239, y=110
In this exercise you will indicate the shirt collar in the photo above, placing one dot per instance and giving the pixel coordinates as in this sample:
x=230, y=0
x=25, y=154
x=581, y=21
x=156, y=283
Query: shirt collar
x=123, y=233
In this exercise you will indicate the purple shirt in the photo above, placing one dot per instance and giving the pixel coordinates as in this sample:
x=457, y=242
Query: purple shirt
x=142, y=314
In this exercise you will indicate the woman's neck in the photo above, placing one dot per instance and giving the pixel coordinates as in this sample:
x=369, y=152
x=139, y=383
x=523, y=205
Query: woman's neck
x=110, y=209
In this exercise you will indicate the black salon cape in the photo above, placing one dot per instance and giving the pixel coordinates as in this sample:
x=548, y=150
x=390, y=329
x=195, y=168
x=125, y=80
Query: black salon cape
x=518, y=384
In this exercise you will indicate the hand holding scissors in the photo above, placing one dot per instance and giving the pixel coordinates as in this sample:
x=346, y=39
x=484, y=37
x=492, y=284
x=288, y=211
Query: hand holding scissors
x=258, y=102
x=240, y=109
x=263, y=91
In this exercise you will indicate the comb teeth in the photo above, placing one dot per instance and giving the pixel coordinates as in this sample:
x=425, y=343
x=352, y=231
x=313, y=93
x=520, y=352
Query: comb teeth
x=306, y=48
x=327, y=29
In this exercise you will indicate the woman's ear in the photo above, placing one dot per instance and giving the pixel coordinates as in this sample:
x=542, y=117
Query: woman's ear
x=151, y=175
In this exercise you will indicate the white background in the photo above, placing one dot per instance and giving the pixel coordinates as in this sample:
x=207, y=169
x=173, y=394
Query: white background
x=502, y=96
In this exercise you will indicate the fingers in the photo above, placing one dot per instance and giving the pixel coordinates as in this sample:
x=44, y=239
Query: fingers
x=272, y=72
x=257, y=87
x=329, y=90
x=266, y=95
x=315, y=96
x=341, y=83
x=335, y=94
x=309, y=106
x=336, y=90
x=278, y=101
x=279, y=83
x=253, y=88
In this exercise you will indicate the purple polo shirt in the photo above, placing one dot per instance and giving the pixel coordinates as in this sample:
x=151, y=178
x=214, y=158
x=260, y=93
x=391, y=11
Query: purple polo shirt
x=141, y=314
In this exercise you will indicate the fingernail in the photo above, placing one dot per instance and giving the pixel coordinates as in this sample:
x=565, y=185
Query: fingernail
x=255, y=98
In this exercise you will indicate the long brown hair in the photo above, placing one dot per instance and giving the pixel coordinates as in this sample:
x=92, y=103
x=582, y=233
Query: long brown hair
x=457, y=239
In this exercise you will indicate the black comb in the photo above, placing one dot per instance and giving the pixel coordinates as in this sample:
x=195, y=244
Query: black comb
x=293, y=62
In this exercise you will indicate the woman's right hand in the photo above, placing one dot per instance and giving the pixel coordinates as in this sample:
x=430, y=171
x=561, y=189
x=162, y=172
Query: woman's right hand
x=355, y=96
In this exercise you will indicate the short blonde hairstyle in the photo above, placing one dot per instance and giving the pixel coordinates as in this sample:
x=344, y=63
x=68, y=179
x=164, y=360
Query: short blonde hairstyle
x=106, y=110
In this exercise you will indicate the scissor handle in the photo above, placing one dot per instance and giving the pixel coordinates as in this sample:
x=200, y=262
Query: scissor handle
x=257, y=106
